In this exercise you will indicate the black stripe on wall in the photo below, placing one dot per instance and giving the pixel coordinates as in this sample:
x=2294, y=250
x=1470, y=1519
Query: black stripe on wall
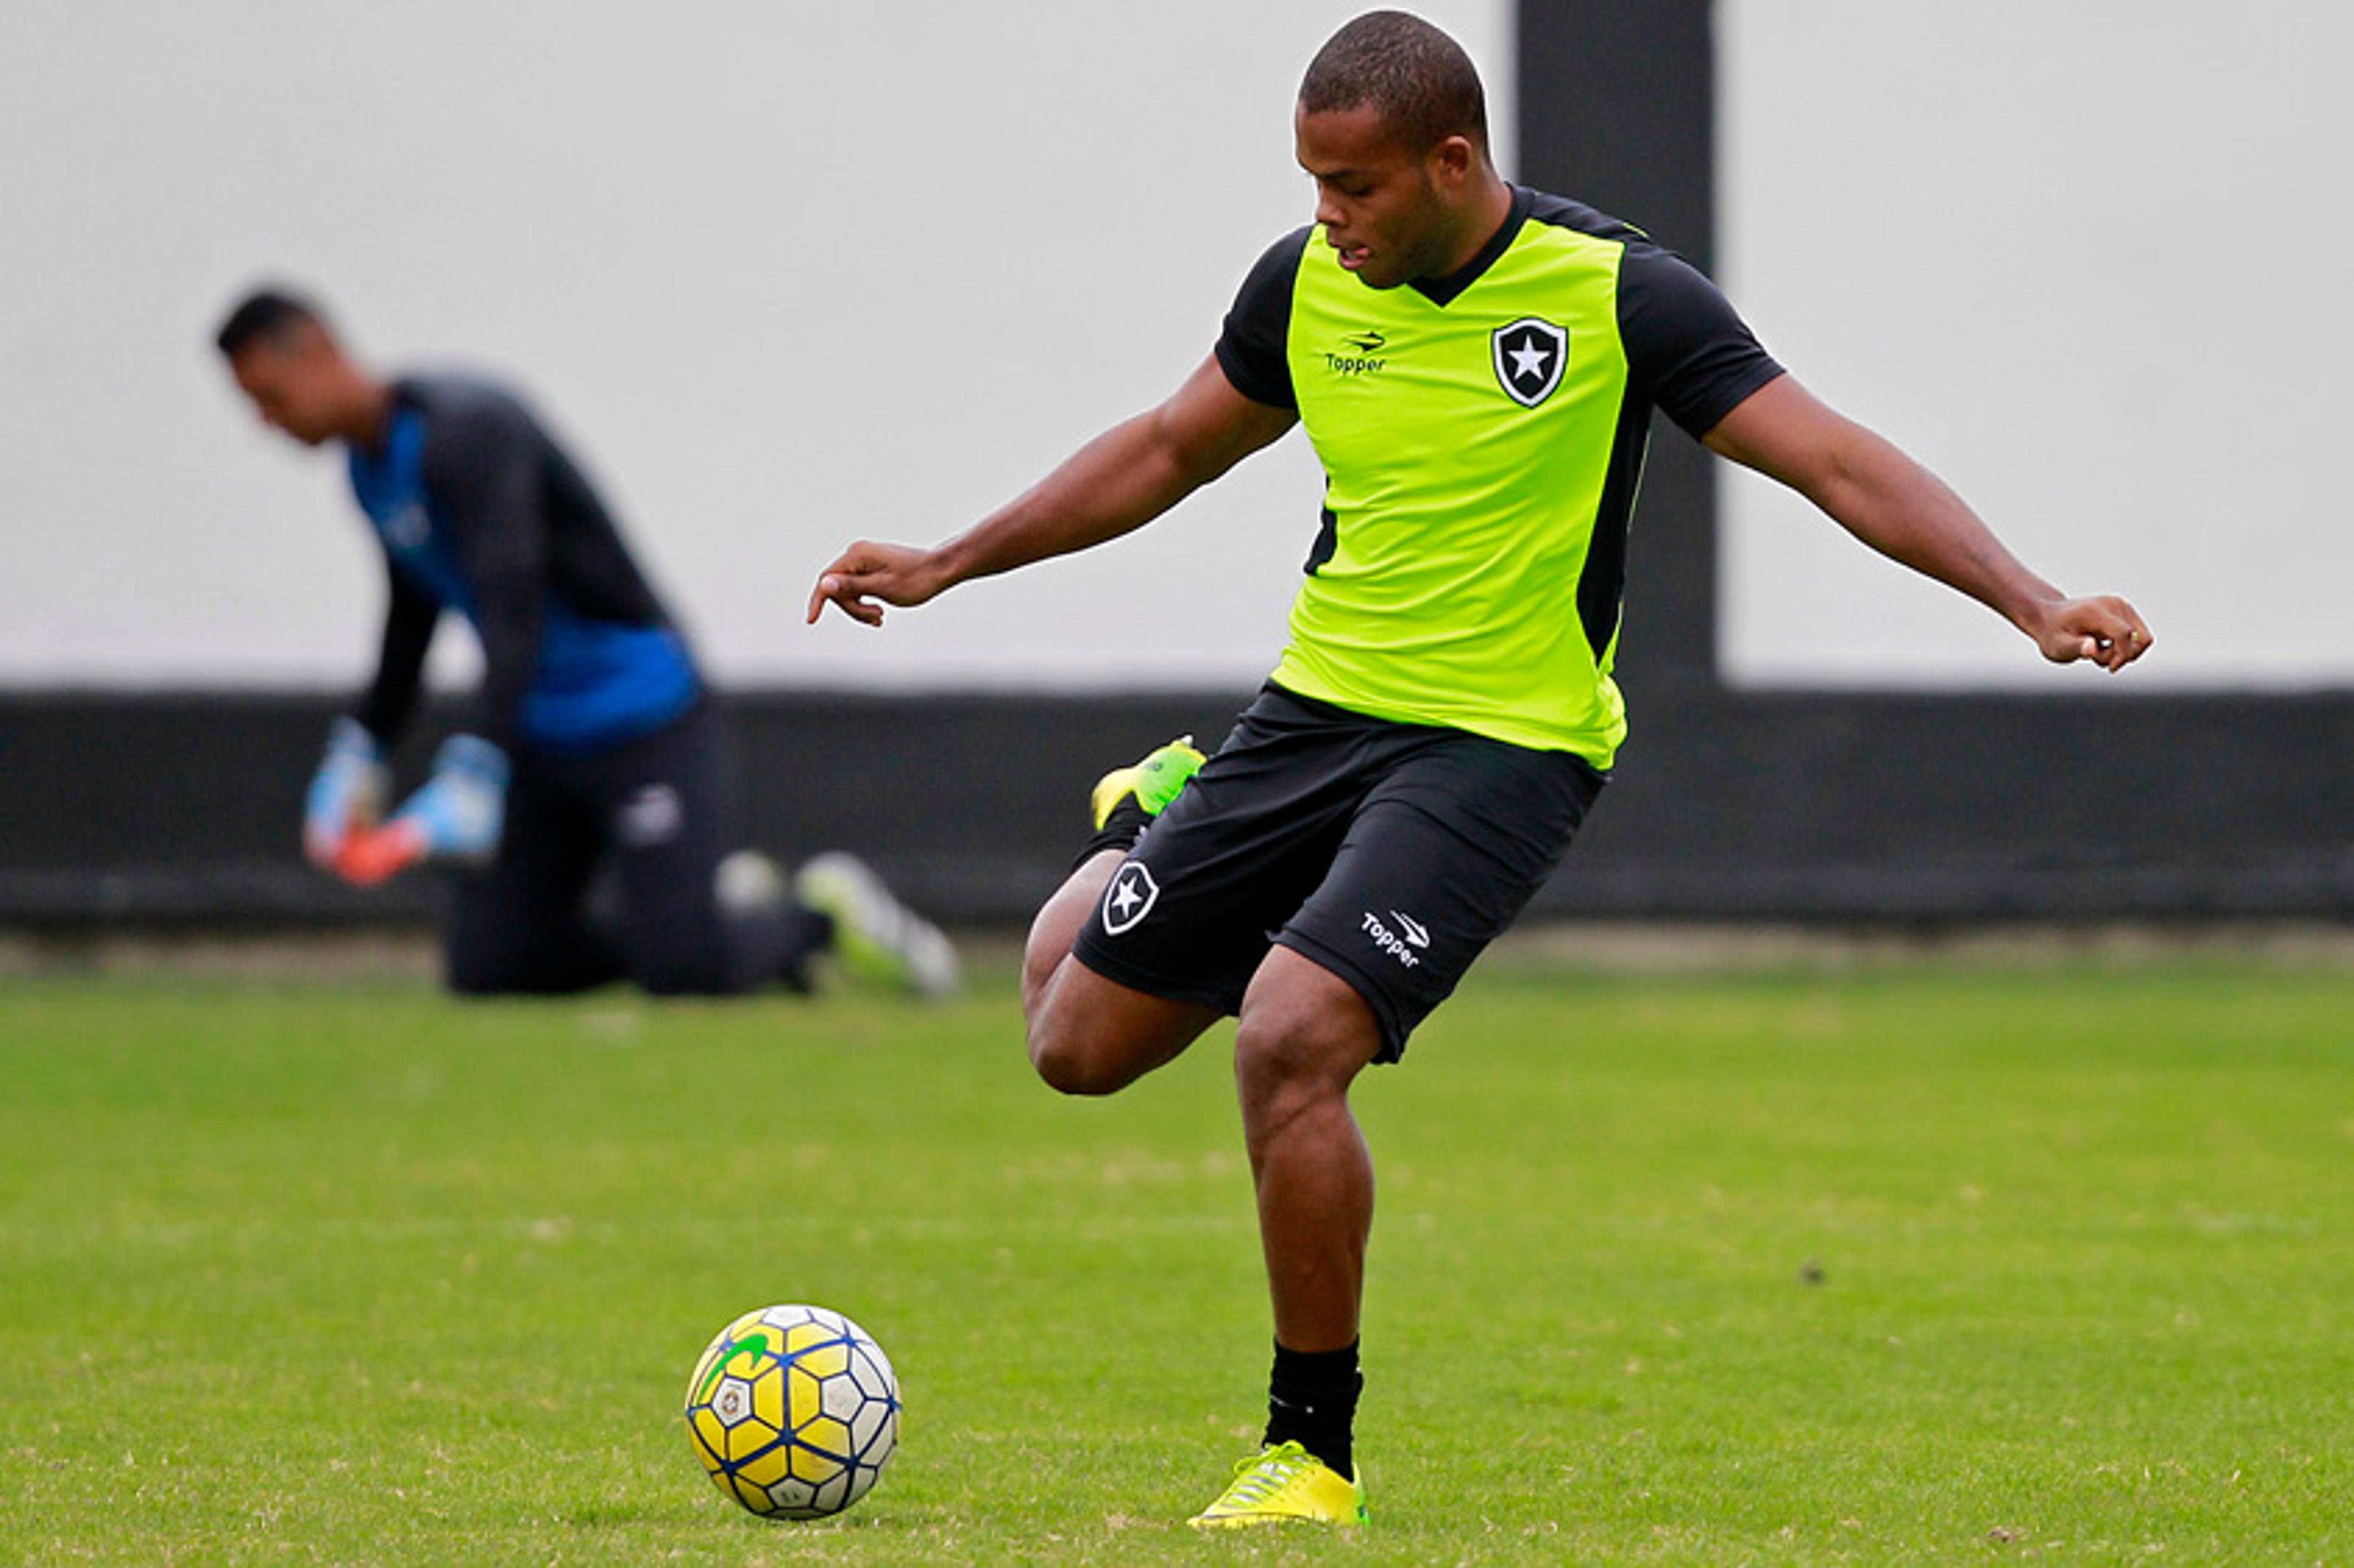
x=183, y=808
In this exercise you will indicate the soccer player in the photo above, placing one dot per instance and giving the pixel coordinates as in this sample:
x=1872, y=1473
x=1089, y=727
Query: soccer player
x=597, y=742
x=1477, y=365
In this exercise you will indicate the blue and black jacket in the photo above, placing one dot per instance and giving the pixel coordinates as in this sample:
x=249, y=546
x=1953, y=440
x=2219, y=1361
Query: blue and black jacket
x=480, y=511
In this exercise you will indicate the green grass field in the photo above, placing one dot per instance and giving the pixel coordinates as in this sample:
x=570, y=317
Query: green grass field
x=1920, y=1266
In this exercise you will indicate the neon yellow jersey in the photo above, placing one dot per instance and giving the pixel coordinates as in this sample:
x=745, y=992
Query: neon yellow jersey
x=1482, y=437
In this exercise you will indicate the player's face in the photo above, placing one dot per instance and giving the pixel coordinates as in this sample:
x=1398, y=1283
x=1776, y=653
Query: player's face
x=1383, y=207
x=292, y=386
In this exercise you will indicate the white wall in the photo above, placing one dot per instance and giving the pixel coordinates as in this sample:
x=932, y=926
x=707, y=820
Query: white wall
x=787, y=273
x=2089, y=261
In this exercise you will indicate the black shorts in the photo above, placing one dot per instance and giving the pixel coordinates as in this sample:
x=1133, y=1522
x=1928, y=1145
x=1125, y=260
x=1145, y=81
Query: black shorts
x=1389, y=854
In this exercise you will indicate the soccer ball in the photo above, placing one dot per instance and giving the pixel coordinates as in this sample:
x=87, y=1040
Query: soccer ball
x=794, y=1411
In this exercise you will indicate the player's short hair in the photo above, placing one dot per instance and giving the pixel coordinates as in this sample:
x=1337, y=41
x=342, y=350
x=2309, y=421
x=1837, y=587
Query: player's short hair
x=1420, y=79
x=268, y=314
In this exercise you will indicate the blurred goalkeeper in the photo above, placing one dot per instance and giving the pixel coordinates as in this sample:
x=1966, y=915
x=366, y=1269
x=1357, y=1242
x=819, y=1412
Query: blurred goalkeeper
x=595, y=741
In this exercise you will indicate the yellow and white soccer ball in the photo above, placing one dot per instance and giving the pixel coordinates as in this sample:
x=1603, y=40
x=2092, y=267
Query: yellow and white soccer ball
x=794, y=1410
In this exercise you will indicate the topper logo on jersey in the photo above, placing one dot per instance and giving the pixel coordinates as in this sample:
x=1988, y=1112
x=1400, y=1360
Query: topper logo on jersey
x=1364, y=357
x=1130, y=898
x=1530, y=356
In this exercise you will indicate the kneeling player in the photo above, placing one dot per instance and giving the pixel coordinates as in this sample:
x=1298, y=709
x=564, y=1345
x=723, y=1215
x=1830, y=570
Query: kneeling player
x=598, y=742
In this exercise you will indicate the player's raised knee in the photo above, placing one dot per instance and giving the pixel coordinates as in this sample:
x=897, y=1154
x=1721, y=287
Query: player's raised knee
x=1073, y=1061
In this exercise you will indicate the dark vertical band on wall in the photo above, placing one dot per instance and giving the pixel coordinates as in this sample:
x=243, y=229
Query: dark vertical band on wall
x=1618, y=109
x=1899, y=805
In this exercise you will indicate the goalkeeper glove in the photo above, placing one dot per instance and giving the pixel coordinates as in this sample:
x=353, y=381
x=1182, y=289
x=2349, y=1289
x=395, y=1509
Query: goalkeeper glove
x=457, y=816
x=347, y=794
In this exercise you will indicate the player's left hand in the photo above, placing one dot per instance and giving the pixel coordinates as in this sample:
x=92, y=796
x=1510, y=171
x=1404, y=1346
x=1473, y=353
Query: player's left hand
x=2103, y=629
x=456, y=816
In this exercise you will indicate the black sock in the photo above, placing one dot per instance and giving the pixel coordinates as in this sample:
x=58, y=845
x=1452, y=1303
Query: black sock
x=1120, y=830
x=1312, y=1401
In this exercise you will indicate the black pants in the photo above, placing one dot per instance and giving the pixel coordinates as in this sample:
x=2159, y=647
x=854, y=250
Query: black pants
x=652, y=810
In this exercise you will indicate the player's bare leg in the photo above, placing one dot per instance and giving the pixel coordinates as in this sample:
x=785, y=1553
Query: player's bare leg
x=1089, y=1035
x=1305, y=1037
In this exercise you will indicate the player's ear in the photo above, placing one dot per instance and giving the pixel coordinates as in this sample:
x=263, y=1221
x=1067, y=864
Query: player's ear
x=1453, y=159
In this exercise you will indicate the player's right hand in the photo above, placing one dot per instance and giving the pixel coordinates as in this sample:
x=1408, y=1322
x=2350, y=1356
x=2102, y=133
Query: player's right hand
x=347, y=794
x=895, y=574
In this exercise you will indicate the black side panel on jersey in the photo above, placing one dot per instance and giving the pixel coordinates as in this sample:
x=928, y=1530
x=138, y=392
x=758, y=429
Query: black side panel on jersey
x=1688, y=353
x=1251, y=348
x=1601, y=584
x=1327, y=543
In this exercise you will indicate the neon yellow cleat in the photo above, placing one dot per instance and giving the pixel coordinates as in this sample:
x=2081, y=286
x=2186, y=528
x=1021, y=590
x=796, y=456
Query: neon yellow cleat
x=877, y=939
x=1153, y=781
x=1284, y=1485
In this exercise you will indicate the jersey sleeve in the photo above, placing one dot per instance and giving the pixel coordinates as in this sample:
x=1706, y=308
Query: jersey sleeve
x=1251, y=348
x=483, y=470
x=409, y=618
x=1689, y=354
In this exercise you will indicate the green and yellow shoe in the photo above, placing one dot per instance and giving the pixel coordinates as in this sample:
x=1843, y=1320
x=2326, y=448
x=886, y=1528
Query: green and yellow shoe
x=1154, y=782
x=1284, y=1485
x=877, y=939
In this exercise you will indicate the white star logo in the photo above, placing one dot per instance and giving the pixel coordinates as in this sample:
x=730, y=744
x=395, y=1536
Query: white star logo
x=1528, y=359
x=1130, y=898
x=1530, y=355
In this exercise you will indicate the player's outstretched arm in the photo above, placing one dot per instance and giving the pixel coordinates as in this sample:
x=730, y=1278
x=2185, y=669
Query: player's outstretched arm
x=1907, y=513
x=1115, y=484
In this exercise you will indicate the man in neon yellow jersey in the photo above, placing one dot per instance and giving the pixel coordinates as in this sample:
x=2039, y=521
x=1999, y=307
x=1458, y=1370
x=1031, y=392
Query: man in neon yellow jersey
x=1477, y=365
